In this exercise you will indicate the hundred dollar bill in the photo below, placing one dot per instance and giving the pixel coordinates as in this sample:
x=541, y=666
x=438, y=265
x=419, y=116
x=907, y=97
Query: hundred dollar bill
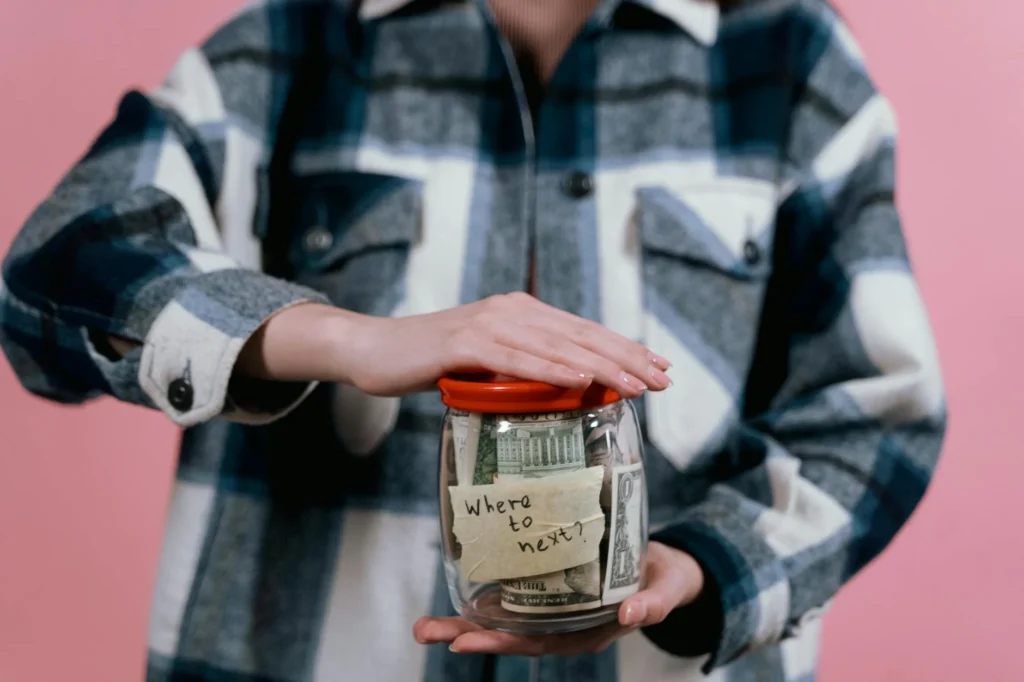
x=622, y=571
x=535, y=446
x=538, y=445
x=574, y=589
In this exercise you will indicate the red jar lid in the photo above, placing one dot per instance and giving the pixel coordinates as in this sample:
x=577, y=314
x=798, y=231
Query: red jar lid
x=492, y=394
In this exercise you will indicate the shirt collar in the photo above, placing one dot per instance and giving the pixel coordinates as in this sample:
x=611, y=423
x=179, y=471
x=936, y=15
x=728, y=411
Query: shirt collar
x=375, y=9
x=698, y=17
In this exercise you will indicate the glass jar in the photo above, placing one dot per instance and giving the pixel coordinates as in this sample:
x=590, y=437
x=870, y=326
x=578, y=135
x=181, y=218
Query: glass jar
x=543, y=504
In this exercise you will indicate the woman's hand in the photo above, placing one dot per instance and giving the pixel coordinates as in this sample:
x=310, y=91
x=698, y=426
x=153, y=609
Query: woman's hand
x=674, y=579
x=512, y=334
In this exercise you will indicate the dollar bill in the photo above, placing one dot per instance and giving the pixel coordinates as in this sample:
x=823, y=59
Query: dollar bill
x=449, y=453
x=622, y=569
x=628, y=436
x=538, y=445
x=612, y=439
x=574, y=589
x=602, y=451
x=466, y=427
x=535, y=446
x=485, y=467
x=612, y=436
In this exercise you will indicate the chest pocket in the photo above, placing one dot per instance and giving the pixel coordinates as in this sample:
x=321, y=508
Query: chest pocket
x=356, y=232
x=706, y=259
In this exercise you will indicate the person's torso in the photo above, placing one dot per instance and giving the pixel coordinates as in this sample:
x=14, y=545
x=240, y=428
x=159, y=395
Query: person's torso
x=412, y=178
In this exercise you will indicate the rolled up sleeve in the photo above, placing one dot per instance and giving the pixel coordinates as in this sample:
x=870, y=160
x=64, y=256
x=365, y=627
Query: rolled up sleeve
x=131, y=245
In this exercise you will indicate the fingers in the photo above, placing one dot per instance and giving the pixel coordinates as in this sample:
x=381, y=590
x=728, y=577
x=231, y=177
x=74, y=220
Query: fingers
x=499, y=358
x=605, y=639
x=556, y=348
x=520, y=336
x=435, y=630
x=498, y=643
x=673, y=579
x=646, y=608
x=632, y=356
x=574, y=644
x=466, y=637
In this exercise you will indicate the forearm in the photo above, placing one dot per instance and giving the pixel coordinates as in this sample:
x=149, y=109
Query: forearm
x=305, y=342
x=308, y=342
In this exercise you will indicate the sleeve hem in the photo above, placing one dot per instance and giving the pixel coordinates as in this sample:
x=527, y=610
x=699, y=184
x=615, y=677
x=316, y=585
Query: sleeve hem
x=693, y=630
x=753, y=608
x=120, y=374
x=189, y=355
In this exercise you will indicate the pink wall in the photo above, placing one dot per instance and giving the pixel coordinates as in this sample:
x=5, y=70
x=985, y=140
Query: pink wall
x=82, y=491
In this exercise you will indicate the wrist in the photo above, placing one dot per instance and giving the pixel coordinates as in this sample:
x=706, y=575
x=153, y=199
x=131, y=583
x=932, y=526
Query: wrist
x=303, y=342
x=341, y=340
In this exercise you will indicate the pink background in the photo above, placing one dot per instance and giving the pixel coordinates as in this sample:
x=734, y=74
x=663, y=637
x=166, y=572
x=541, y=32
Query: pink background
x=82, y=491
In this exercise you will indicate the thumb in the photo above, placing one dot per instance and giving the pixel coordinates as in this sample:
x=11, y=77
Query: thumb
x=672, y=580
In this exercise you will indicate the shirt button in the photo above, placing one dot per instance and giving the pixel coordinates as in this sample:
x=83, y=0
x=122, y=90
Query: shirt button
x=578, y=184
x=751, y=252
x=180, y=395
x=319, y=239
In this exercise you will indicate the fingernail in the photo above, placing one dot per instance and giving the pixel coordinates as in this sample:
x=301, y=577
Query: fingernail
x=659, y=362
x=454, y=649
x=661, y=378
x=633, y=383
x=635, y=613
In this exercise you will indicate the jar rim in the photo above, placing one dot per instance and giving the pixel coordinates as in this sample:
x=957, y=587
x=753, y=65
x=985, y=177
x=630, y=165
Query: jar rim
x=487, y=393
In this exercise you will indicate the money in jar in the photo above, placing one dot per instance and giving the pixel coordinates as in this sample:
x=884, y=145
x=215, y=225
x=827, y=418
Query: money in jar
x=543, y=504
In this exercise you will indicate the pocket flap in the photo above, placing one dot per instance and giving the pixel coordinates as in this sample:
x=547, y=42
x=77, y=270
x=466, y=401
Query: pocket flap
x=348, y=212
x=717, y=227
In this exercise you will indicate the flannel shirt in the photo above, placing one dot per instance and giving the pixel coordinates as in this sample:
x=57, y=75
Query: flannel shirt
x=715, y=182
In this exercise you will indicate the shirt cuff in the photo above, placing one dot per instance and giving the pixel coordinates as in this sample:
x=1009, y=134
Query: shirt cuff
x=186, y=363
x=745, y=604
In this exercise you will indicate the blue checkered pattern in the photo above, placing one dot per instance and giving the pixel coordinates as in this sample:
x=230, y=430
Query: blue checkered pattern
x=718, y=183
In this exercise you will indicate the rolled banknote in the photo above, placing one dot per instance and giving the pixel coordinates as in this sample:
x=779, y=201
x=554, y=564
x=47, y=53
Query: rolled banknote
x=538, y=445
x=622, y=570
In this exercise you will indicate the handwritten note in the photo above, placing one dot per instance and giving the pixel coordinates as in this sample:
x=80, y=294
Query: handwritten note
x=528, y=527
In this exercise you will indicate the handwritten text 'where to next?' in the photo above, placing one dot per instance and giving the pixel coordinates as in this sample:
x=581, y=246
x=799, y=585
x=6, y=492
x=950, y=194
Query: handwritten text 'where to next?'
x=514, y=529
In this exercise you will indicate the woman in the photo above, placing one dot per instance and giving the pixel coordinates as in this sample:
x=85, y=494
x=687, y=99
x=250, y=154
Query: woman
x=329, y=205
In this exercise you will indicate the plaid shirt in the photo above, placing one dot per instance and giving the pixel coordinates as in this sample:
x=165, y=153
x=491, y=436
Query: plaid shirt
x=716, y=183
